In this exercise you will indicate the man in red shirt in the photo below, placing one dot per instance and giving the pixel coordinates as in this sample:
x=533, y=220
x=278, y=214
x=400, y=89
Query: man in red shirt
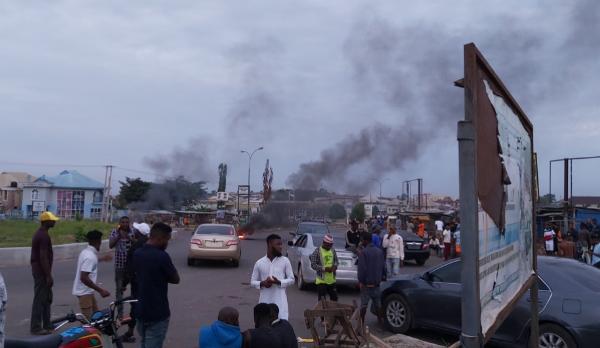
x=42, y=257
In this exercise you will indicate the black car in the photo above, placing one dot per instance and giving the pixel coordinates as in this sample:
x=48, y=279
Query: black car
x=569, y=296
x=415, y=247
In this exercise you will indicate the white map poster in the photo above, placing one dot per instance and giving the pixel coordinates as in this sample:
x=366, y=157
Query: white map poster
x=505, y=257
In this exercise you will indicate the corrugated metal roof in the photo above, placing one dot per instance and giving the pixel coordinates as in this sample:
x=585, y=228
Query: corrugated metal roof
x=71, y=179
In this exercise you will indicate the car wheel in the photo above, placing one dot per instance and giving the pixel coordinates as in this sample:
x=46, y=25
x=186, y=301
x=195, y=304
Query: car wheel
x=301, y=283
x=421, y=261
x=397, y=315
x=554, y=336
x=191, y=262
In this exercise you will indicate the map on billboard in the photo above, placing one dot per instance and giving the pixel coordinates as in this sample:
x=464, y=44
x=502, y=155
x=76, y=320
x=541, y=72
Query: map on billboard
x=505, y=239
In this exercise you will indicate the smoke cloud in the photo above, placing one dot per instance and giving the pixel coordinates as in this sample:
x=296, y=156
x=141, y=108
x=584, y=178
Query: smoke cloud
x=191, y=162
x=410, y=70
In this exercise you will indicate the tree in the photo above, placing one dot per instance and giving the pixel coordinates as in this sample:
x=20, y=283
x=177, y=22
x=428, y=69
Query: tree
x=267, y=182
x=173, y=194
x=358, y=212
x=547, y=199
x=132, y=190
x=222, y=177
x=337, y=211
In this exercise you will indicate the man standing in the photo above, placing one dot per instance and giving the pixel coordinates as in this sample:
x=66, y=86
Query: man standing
x=370, y=274
x=549, y=236
x=121, y=239
x=87, y=273
x=439, y=227
x=394, y=246
x=324, y=261
x=3, y=300
x=42, y=257
x=272, y=274
x=142, y=231
x=353, y=236
x=447, y=237
x=585, y=244
x=154, y=272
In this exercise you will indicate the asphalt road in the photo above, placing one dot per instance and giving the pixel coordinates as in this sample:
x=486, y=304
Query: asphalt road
x=195, y=302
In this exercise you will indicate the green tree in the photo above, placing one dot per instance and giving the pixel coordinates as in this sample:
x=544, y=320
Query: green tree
x=337, y=211
x=132, y=190
x=358, y=212
x=222, y=177
x=547, y=199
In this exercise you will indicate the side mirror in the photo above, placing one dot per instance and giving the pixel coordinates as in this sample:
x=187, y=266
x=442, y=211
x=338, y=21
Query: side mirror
x=290, y=243
x=427, y=276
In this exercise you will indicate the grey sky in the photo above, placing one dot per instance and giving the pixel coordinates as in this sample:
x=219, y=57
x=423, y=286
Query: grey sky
x=105, y=82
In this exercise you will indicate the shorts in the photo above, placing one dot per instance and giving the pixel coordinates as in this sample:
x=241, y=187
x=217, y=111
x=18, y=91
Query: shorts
x=367, y=294
x=88, y=305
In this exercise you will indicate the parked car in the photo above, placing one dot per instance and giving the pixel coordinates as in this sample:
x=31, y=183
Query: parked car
x=568, y=296
x=415, y=247
x=307, y=238
x=215, y=242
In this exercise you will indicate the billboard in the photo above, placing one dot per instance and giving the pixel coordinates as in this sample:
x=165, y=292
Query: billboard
x=38, y=206
x=499, y=202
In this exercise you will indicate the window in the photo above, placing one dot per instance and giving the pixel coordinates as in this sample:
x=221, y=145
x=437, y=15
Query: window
x=222, y=230
x=449, y=273
x=301, y=242
x=70, y=203
x=97, y=196
x=96, y=213
x=35, y=195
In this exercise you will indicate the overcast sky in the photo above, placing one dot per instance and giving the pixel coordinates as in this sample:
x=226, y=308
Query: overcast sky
x=176, y=87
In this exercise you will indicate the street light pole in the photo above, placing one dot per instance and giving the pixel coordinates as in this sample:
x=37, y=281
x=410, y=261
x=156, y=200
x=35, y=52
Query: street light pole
x=380, y=182
x=250, y=155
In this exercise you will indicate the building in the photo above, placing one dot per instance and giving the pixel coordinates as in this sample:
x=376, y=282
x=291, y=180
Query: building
x=11, y=191
x=69, y=195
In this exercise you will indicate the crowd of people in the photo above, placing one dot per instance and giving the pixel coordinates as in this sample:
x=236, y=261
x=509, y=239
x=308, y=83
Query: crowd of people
x=580, y=242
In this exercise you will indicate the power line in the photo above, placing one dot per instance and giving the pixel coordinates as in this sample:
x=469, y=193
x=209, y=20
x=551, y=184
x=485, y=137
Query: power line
x=52, y=165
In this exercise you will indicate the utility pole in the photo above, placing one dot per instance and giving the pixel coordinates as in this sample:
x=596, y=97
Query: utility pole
x=105, y=215
x=250, y=155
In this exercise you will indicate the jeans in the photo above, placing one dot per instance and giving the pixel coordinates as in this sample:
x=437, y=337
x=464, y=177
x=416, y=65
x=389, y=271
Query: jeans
x=392, y=267
x=324, y=289
x=152, y=333
x=40, y=308
x=121, y=280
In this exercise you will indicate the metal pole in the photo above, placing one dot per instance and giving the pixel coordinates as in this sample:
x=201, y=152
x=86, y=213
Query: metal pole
x=249, y=163
x=566, y=196
x=470, y=305
x=550, y=180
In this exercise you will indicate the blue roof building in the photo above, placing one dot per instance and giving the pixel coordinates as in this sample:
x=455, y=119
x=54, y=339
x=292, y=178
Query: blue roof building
x=68, y=195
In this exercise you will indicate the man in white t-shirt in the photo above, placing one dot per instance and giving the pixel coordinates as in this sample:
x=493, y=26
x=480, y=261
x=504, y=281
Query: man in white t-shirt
x=439, y=226
x=87, y=273
x=447, y=237
x=549, y=235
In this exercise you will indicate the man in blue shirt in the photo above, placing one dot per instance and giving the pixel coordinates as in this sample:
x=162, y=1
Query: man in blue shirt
x=154, y=271
x=223, y=333
x=370, y=274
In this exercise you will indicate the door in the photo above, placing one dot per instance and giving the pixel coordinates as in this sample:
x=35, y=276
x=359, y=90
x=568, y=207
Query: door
x=438, y=299
x=295, y=252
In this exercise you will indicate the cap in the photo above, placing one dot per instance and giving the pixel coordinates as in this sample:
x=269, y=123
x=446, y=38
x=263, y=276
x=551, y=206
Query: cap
x=48, y=216
x=143, y=228
x=328, y=239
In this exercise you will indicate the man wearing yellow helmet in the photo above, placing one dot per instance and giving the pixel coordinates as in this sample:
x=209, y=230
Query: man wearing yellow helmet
x=42, y=257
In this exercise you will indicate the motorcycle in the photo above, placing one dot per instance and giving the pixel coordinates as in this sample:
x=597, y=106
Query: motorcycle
x=98, y=332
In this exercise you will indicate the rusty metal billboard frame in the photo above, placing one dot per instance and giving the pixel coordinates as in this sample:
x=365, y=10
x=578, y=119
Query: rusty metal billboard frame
x=477, y=69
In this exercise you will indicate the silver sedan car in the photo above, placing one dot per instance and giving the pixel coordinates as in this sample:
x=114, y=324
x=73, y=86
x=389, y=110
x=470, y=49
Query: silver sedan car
x=303, y=245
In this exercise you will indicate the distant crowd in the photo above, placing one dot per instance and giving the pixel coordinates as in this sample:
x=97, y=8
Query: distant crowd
x=580, y=241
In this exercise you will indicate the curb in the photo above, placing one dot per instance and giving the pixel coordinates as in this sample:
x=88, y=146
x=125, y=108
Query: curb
x=21, y=256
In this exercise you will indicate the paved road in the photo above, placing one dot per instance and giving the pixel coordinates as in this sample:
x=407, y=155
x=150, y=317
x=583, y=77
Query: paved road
x=204, y=289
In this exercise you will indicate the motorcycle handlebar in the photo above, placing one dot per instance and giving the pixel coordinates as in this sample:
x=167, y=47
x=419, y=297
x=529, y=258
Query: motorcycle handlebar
x=69, y=317
x=126, y=299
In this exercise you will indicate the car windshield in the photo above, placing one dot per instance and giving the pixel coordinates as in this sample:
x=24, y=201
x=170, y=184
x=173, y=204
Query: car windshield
x=215, y=229
x=315, y=229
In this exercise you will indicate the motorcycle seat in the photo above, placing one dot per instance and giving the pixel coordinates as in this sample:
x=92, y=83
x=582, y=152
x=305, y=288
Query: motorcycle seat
x=49, y=341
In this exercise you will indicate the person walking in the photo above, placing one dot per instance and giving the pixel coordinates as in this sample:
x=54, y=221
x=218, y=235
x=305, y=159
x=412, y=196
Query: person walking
x=584, y=243
x=3, y=301
x=224, y=332
x=42, y=257
x=447, y=239
x=370, y=273
x=393, y=244
x=272, y=274
x=87, y=274
x=142, y=231
x=353, y=236
x=324, y=261
x=154, y=272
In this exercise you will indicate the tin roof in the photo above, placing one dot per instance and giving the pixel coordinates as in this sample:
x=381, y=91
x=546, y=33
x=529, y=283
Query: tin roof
x=70, y=179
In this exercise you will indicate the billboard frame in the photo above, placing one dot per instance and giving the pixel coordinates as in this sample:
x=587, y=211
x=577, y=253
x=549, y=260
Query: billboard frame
x=476, y=69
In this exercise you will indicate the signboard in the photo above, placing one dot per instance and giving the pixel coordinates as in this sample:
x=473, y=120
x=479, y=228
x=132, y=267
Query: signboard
x=496, y=194
x=38, y=206
x=369, y=210
x=222, y=196
x=243, y=190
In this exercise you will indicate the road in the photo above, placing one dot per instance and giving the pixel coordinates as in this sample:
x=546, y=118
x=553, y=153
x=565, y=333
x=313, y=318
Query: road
x=195, y=302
